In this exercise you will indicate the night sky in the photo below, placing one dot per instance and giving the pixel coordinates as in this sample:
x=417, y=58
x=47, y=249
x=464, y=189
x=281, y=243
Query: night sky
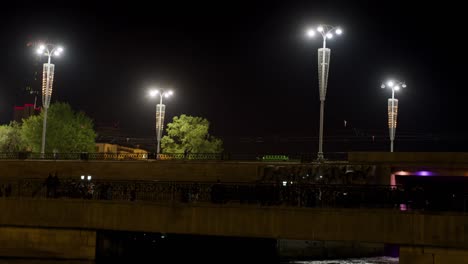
x=247, y=67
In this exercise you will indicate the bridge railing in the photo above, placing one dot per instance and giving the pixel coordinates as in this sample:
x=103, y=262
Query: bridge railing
x=263, y=157
x=263, y=194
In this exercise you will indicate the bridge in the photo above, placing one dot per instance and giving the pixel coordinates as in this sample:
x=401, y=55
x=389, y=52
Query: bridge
x=372, y=167
x=60, y=227
x=158, y=197
x=47, y=221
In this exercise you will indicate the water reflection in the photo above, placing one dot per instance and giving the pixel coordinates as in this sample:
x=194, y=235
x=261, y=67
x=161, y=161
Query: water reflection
x=378, y=260
x=44, y=261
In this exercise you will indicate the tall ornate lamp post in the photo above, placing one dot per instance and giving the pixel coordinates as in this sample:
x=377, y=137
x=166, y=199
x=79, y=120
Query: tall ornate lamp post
x=160, y=112
x=327, y=32
x=47, y=80
x=392, y=108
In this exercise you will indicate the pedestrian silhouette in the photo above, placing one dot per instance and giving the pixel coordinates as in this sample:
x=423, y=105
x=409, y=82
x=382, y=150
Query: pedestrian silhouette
x=55, y=185
x=49, y=185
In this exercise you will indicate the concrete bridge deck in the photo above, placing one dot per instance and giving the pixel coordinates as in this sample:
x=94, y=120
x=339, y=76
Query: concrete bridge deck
x=416, y=232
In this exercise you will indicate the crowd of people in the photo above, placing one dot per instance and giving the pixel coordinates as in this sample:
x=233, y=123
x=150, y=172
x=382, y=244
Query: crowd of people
x=5, y=190
x=83, y=188
x=279, y=193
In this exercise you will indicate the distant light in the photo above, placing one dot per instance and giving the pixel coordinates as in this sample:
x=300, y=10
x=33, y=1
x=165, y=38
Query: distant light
x=401, y=172
x=163, y=236
x=56, y=53
x=170, y=92
x=284, y=183
x=320, y=29
x=403, y=85
x=339, y=31
x=424, y=173
x=310, y=33
x=329, y=35
x=89, y=177
x=39, y=51
x=59, y=49
x=403, y=207
x=396, y=88
x=390, y=84
x=41, y=47
x=321, y=176
x=153, y=93
x=382, y=86
x=82, y=177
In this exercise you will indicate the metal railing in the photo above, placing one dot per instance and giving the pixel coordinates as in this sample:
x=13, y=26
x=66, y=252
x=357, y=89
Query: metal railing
x=264, y=157
x=261, y=194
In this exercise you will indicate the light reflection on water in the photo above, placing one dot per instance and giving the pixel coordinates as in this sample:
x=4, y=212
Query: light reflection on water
x=44, y=261
x=377, y=260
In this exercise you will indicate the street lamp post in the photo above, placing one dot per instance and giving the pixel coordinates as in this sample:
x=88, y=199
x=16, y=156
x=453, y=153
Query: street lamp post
x=160, y=112
x=393, y=108
x=327, y=32
x=47, y=80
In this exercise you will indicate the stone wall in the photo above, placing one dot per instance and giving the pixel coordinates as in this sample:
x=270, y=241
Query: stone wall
x=50, y=243
x=334, y=224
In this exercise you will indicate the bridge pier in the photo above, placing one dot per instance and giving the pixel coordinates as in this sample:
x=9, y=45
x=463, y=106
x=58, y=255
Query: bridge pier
x=47, y=243
x=432, y=255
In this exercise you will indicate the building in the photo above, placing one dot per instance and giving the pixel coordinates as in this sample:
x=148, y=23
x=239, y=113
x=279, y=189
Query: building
x=23, y=112
x=113, y=151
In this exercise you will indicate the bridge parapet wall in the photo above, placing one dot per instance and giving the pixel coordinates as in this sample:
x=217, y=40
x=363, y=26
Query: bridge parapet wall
x=418, y=228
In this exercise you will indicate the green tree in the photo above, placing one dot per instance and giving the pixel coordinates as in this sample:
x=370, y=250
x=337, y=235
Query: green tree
x=67, y=130
x=190, y=134
x=10, y=138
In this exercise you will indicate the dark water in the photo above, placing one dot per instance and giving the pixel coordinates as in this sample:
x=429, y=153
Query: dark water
x=376, y=260
x=145, y=248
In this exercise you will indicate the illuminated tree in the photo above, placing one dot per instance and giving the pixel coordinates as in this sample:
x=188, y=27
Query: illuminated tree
x=189, y=134
x=10, y=138
x=67, y=131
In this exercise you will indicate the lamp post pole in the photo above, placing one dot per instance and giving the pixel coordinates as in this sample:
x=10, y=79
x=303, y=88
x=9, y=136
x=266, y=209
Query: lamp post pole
x=393, y=108
x=47, y=82
x=392, y=126
x=45, y=106
x=159, y=107
x=160, y=112
x=322, y=98
x=327, y=32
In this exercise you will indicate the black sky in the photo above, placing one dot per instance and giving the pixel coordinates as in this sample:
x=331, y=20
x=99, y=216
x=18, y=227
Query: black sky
x=246, y=66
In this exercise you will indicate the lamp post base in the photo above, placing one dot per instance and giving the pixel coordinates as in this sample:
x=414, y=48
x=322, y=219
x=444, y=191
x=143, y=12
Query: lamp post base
x=320, y=156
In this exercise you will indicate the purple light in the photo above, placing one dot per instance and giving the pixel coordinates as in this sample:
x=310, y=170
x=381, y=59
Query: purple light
x=403, y=207
x=425, y=173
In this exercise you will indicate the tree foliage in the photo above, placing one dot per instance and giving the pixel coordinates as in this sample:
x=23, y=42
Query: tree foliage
x=189, y=134
x=67, y=131
x=10, y=138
